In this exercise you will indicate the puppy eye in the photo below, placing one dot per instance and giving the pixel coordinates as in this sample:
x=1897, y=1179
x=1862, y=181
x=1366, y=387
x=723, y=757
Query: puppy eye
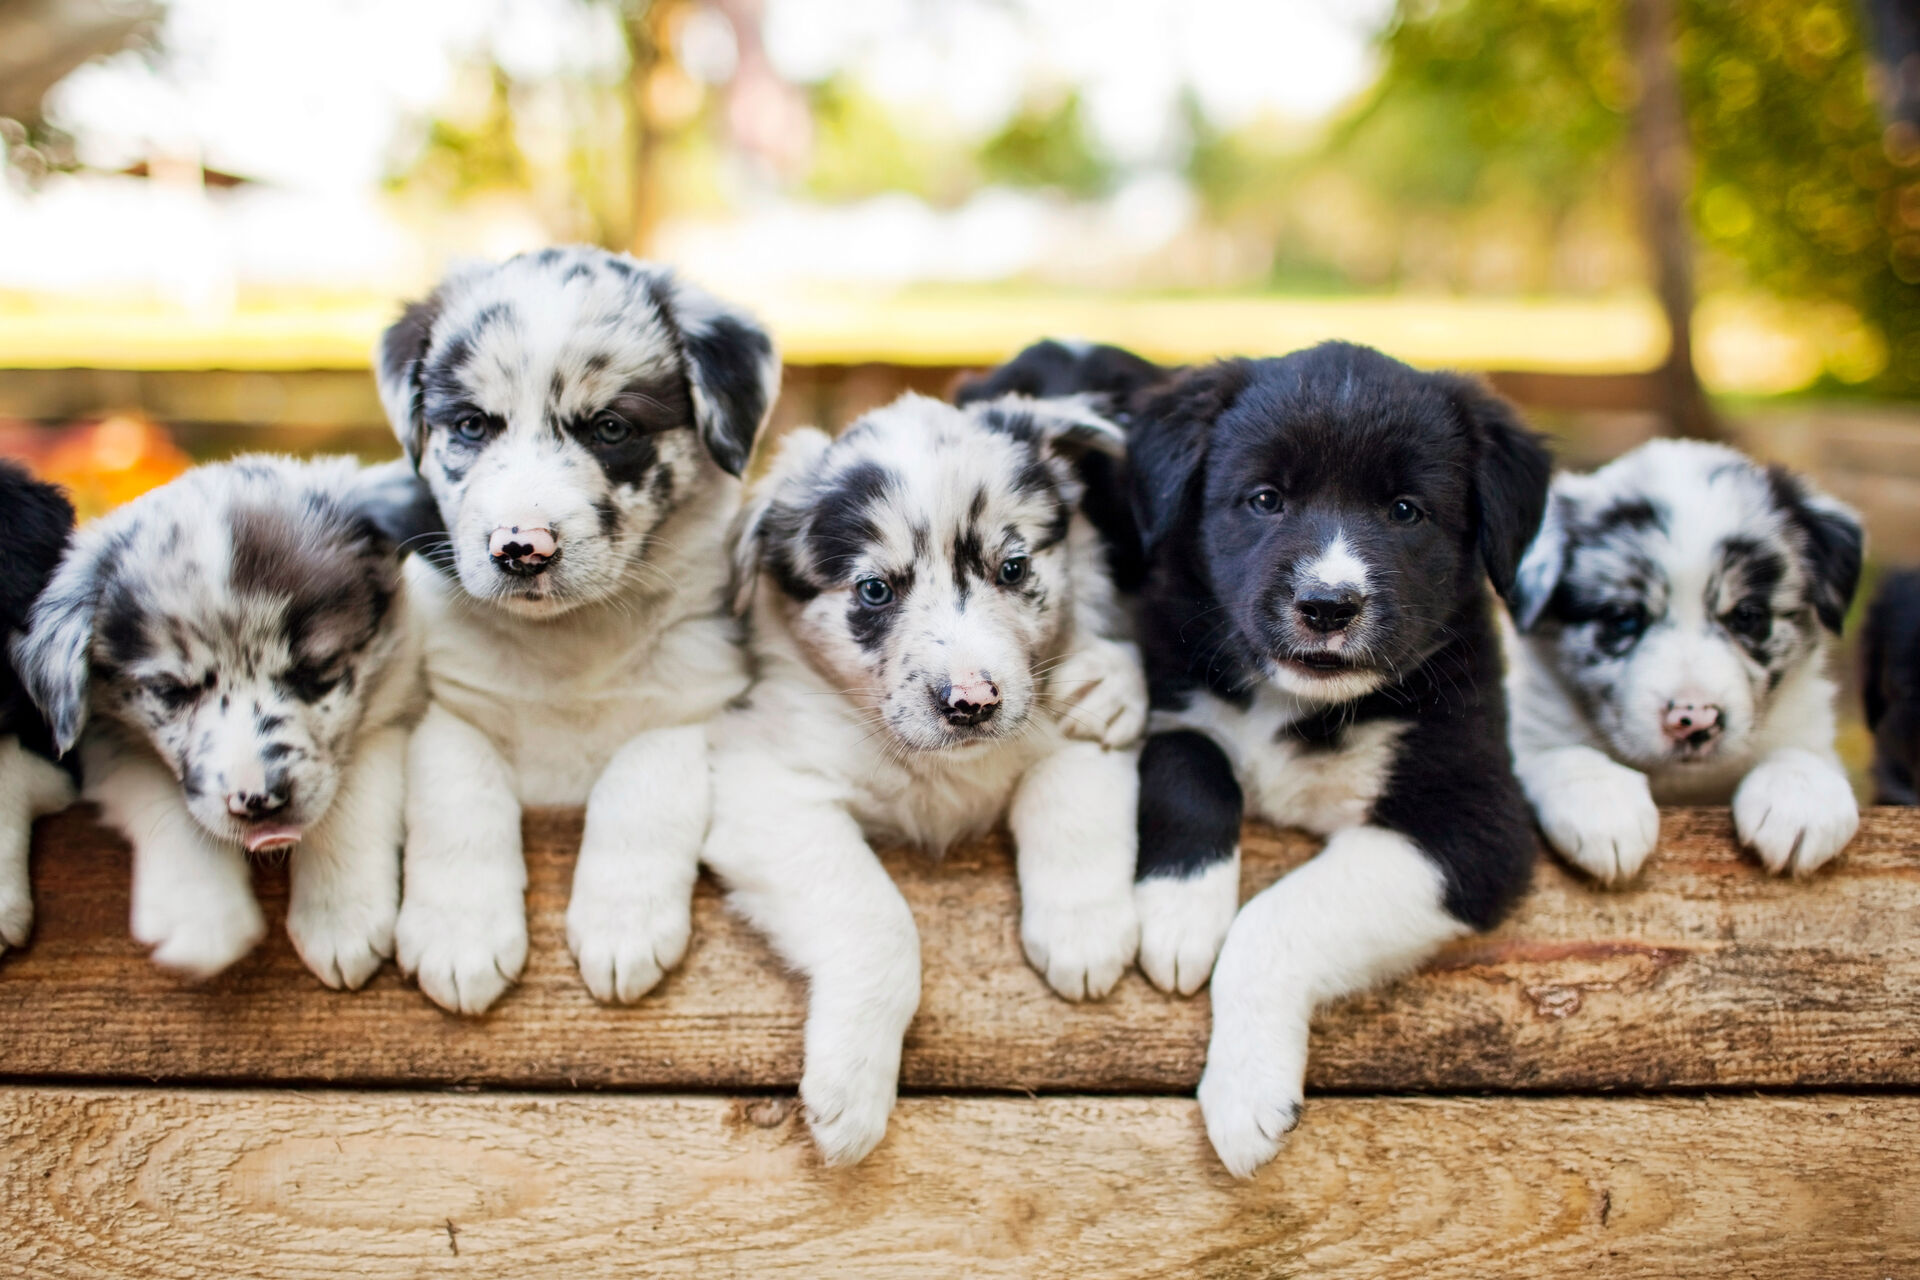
x=171, y=694
x=873, y=593
x=611, y=428
x=1750, y=618
x=1620, y=623
x=1265, y=500
x=309, y=683
x=473, y=428
x=1404, y=512
x=1013, y=571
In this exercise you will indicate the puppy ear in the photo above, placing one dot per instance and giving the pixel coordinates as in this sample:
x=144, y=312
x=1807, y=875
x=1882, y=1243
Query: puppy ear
x=52, y=656
x=1054, y=368
x=1068, y=427
x=1168, y=446
x=1509, y=480
x=1539, y=574
x=1831, y=544
x=733, y=372
x=397, y=358
x=796, y=454
x=397, y=505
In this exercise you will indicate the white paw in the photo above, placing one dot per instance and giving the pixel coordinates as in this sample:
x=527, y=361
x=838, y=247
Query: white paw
x=848, y=1098
x=195, y=935
x=343, y=942
x=464, y=955
x=625, y=940
x=1796, y=811
x=1103, y=694
x=16, y=906
x=1081, y=948
x=1183, y=921
x=1250, y=1102
x=1601, y=817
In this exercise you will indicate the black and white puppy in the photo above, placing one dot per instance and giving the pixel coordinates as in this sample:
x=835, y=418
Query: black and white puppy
x=1320, y=642
x=35, y=522
x=237, y=648
x=934, y=637
x=581, y=419
x=1674, y=617
x=1890, y=679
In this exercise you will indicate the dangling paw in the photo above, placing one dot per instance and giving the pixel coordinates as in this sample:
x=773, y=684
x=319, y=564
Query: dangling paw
x=1796, y=811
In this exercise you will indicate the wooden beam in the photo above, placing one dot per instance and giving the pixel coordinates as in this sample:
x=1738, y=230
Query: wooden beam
x=158, y=1185
x=1709, y=974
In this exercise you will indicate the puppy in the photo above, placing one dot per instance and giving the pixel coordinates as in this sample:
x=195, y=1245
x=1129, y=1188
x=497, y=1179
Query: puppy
x=237, y=649
x=1673, y=620
x=917, y=588
x=1890, y=676
x=1320, y=532
x=581, y=419
x=36, y=520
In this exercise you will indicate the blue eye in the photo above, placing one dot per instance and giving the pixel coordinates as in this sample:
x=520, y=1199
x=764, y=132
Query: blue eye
x=1013, y=571
x=611, y=428
x=1404, y=512
x=472, y=428
x=873, y=593
x=1621, y=624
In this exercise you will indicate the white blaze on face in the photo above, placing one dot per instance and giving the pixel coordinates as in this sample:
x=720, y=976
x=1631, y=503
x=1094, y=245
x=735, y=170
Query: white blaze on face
x=1337, y=566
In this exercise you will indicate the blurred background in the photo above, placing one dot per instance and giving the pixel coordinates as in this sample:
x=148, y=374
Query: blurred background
x=1697, y=217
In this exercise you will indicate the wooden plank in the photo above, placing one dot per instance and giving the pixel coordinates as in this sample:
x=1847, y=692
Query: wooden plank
x=157, y=1184
x=1709, y=974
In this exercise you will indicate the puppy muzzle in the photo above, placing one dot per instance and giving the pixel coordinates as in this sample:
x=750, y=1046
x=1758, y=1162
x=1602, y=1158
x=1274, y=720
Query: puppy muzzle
x=523, y=551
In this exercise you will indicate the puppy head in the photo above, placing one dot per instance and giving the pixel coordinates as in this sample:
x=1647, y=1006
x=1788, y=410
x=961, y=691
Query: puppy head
x=561, y=406
x=235, y=621
x=1674, y=590
x=920, y=561
x=1341, y=506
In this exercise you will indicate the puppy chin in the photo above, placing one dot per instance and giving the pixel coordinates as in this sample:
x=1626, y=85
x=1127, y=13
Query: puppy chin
x=1340, y=684
x=545, y=596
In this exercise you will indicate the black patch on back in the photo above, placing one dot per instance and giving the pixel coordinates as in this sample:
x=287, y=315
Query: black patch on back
x=1190, y=806
x=37, y=520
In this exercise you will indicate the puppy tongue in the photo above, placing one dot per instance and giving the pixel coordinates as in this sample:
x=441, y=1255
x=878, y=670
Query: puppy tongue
x=272, y=837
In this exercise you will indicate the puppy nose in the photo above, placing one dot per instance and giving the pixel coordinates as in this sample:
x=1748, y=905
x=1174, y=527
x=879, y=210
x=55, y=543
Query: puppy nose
x=523, y=550
x=1692, y=723
x=970, y=702
x=252, y=805
x=1329, y=610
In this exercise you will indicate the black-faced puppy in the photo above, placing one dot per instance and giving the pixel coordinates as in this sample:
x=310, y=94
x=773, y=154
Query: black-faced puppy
x=581, y=419
x=237, y=649
x=1890, y=680
x=35, y=522
x=918, y=587
x=1674, y=616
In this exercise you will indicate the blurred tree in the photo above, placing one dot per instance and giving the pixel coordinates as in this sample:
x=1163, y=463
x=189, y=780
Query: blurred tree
x=1048, y=143
x=41, y=41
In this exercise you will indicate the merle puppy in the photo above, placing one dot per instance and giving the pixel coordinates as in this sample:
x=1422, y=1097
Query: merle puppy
x=1320, y=532
x=1890, y=675
x=35, y=520
x=1674, y=617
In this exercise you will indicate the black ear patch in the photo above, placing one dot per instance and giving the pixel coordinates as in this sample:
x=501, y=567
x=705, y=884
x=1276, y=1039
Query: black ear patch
x=1050, y=368
x=396, y=367
x=1831, y=545
x=1172, y=423
x=733, y=371
x=1512, y=467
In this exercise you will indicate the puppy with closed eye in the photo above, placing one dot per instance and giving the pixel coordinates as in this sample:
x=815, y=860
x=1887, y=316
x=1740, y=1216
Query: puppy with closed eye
x=35, y=521
x=920, y=590
x=581, y=419
x=233, y=654
x=1673, y=622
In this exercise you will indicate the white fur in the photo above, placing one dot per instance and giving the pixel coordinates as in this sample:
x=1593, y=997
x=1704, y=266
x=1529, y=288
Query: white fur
x=30, y=787
x=1338, y=566
x=1183, y=921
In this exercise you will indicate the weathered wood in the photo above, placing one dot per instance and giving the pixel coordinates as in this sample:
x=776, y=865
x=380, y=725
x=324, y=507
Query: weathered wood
x=1710, y=974
x=150, y=1185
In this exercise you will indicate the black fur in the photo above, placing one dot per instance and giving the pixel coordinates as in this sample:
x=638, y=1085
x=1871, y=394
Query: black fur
x=1190, y=805
x=1831, y=547
x=35, y=520
x=1890, y=681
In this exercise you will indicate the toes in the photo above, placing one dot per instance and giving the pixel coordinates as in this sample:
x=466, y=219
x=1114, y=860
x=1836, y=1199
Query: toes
x=1082, y=951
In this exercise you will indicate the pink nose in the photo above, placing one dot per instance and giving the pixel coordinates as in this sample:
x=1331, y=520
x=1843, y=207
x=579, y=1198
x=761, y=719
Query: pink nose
x=971, y=701
x=1697, y=723
x=525, y=545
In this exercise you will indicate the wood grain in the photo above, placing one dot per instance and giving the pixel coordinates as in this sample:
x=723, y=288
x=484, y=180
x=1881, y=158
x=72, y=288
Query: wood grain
x=154, y=1185
x=1710, y=974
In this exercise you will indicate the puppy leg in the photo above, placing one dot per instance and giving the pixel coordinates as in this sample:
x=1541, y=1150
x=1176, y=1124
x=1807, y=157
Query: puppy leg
x=462, y=930
x=346, y=875
x=1187, y=881
x=631, y=912
x=29, y=787
x=801, y=872
x=1370, y=906
x=1796, y=809
x=1073, y=831
x=1100, y=692
x=1598, y=813
x=192, y=894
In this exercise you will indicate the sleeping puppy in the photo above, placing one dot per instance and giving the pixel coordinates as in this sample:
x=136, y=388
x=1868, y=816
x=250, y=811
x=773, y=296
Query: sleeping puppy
x=1320, y=532
x=918, y=588
x=237, y=648
x=1890, y=676
x=35, y=520
x=1673, y=619
x=581, y=419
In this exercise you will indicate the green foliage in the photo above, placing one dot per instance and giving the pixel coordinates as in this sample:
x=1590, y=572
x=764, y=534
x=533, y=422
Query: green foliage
x=1048, y=143
x=860, y=150
x=461, y=158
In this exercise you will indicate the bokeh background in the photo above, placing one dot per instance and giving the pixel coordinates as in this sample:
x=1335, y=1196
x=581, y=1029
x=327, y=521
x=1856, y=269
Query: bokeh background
x=1635, y=216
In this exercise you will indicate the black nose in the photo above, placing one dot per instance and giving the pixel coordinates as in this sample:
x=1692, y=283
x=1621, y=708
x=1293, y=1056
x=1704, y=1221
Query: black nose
x=518, y=559
x=1326, y=611
x=257, y=804
x=962, y=713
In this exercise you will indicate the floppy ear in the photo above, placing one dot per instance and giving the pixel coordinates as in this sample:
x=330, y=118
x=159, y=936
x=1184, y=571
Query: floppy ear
x=397, y=504
x=1168, y=445
x=397, y=358
x=797, y=453
x=1068, y=427
x=1539, y=574
x=1831, y=544
x=1054, y=368
x=733, y=372
x=52, y=656
x=1510, y=478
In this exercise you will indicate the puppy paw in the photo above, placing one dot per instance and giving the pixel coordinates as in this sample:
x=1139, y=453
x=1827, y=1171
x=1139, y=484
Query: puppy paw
x=848, y=1099
x=1102, y=691
x=1796, y=811
x=1250, y=1104
x=463, y=955
x=16, y=907
x=198, y=938
x=343, y=943
x=1081, y=948
x=626, y=939
x=1601, y=817
x=1183, y=921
